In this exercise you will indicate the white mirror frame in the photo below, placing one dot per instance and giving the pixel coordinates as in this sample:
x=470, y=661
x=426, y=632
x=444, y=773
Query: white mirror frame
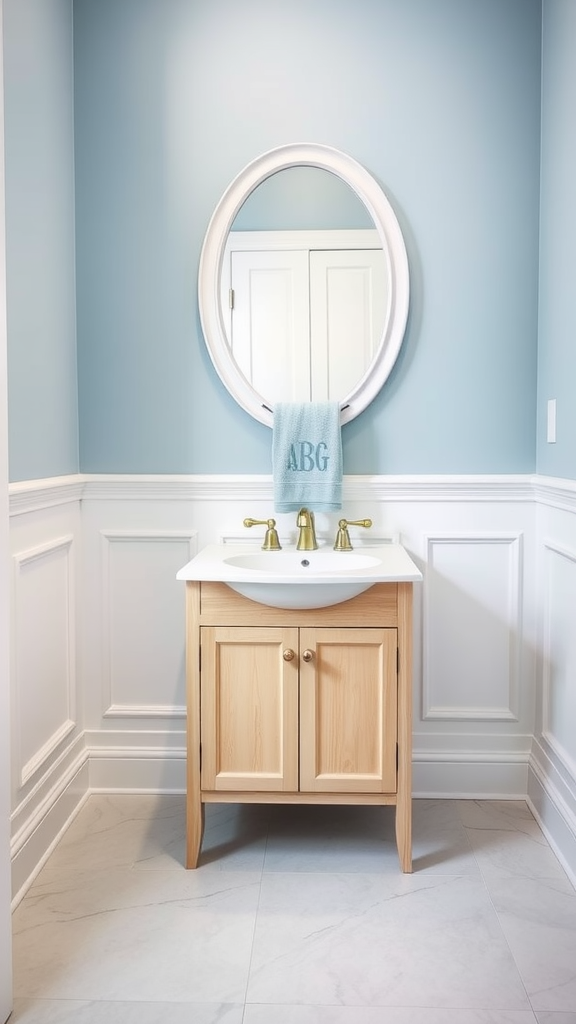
x=211, y=259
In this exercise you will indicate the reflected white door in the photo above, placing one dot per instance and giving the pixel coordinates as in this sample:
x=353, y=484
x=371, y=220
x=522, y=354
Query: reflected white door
x=305, y=325
x=348, y=306
x=270, y=322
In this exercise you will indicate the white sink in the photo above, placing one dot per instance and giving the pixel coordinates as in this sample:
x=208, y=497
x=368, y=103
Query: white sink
x=302, y=564
x=300, y=579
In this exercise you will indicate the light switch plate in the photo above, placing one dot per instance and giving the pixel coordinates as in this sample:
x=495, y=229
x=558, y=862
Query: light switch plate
x=551, y=421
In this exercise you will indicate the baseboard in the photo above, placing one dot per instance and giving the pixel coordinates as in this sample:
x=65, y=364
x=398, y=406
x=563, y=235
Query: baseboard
x=126, y=762
x=155, y=762
x=115, y=773
x=469, y=779
x=34, y=844
x=556, y=819
x=136, y=762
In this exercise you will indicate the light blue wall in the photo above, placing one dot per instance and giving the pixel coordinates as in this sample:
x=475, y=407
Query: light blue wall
x=439, y=99
x=557, y=329
x=42, y=395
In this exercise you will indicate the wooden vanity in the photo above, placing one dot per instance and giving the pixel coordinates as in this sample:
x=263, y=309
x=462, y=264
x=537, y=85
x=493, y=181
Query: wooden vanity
x=299, y=706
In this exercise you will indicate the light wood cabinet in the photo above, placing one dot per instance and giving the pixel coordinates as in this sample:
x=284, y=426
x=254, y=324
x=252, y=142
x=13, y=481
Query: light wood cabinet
x=299, y=706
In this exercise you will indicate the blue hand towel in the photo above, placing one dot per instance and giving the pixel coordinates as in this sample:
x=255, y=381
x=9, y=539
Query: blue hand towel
x=307, y=456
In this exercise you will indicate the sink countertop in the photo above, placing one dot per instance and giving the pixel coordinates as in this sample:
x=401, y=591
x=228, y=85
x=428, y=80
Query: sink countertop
x=392, y=564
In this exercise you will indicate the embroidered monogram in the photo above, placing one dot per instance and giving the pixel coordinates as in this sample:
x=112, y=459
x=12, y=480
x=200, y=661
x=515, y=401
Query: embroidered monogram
x=303, y=457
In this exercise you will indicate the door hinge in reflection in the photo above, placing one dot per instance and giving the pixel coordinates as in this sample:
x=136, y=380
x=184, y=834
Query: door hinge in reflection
x=231, y=298
x=397, y=661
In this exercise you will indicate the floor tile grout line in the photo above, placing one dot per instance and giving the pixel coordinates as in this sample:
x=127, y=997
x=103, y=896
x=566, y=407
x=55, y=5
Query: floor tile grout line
x=255, y=926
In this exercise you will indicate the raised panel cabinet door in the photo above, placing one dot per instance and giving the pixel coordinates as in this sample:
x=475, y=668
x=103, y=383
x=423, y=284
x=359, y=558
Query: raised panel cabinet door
x=249, y=708
x=348, y=710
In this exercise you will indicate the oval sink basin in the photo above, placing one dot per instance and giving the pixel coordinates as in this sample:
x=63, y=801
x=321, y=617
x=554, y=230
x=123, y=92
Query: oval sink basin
x=302, y=563
x=302, y=567
x=300, y=579
x=320, y=595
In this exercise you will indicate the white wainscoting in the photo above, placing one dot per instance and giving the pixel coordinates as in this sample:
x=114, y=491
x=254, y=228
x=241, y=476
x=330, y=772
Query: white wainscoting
x=43, y=679
x=143, y=668
x=552, y=780
x=472, y=627
x=48, y=758
x=95, y=561
x=559, y=653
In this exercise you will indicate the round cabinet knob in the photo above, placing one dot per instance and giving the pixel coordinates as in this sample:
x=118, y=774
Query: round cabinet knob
x=307, y=655
x=288, y=655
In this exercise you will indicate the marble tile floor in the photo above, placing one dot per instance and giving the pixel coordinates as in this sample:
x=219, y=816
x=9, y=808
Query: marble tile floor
x=297, y=915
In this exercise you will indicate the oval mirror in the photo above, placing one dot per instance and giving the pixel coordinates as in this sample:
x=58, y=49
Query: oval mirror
x=300, y=358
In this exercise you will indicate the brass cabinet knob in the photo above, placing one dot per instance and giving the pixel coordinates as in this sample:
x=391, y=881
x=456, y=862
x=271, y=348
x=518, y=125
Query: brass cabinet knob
x=288, y=655
x=307, y=655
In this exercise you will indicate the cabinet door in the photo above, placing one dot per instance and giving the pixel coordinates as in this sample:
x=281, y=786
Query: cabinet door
x=249, y=708
x=348, y=710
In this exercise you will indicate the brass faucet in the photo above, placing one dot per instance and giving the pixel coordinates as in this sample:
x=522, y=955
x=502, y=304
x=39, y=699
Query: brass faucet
x=307, y=536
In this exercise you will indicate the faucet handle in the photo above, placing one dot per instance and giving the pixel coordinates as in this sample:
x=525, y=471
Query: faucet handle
x=271, y=540
x=342, y=542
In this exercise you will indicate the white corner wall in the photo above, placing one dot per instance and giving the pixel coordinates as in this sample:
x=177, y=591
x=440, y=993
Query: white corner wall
x=97, y=635
x=552, y=778
x=5, y=917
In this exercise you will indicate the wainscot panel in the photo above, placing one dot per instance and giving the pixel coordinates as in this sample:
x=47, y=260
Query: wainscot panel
x=552, y=778
x=49, y=764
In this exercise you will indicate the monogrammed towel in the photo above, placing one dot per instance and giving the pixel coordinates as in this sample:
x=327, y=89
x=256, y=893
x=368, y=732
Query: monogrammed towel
x=307, y=456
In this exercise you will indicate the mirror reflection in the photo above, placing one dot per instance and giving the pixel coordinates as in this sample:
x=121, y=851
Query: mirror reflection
x=305, y=287
x=302, y=198
x=330, y=197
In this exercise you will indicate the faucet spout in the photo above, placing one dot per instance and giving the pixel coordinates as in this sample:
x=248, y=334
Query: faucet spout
x=307, y=536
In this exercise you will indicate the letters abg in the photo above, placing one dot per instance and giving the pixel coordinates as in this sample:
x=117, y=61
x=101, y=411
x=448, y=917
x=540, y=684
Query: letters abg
x=303, y=457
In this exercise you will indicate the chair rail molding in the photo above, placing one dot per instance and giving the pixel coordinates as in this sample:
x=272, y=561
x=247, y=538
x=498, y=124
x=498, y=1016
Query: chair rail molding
x=34, y=495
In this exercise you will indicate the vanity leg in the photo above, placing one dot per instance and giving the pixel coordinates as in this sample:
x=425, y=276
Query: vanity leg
x=404, y=835
x=195, y=819
x=194, y=805
x=404, y=777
